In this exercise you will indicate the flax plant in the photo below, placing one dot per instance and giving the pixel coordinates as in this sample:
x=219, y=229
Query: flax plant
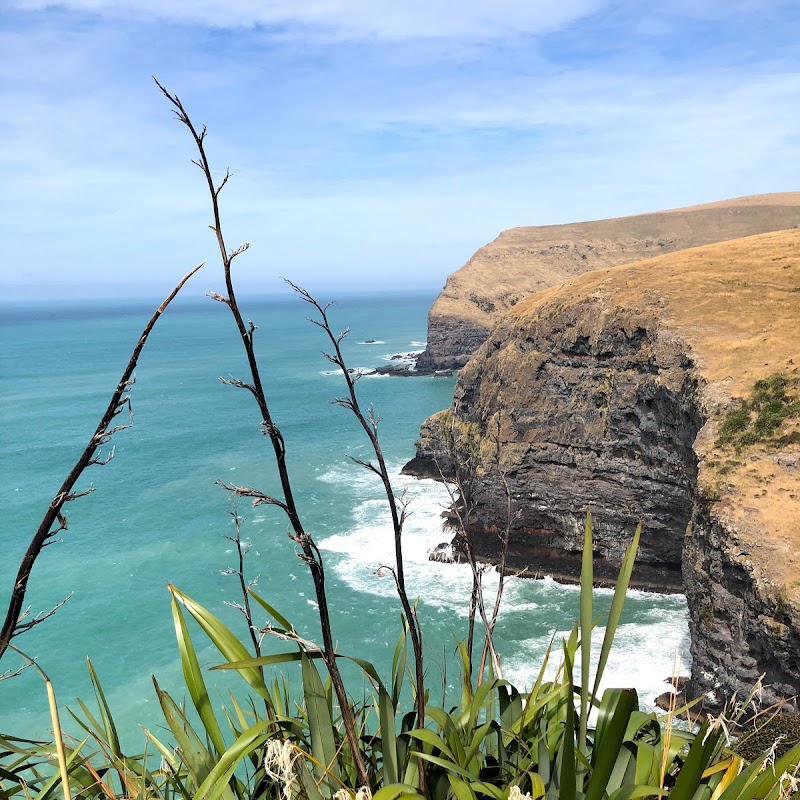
x=498, y=742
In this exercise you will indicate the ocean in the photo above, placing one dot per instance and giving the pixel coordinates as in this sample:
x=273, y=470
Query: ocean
x=157, y=516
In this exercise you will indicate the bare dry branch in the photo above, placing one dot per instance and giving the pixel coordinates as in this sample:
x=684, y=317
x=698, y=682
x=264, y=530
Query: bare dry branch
x=461, y=507
x=75, y=495
x=105, y=438
x=488, y=645
x=242, y=549
x=242, y=248
x=12, y=673
x=366, y=464
x=51, y=541
x=227, y=177
x=259, y=498
x=311, y=554
x=53, y=515
x=40, y=617
x=369, y=423
x=101, y=462
x=238, y=384
x=293, y=636
x=344, y=402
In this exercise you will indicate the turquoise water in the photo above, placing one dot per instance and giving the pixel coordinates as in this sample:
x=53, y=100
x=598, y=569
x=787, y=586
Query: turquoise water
x=157, y=516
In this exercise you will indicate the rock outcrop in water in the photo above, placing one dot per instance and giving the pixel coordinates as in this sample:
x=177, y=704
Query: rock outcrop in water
x=522, y=261
x=609, y=391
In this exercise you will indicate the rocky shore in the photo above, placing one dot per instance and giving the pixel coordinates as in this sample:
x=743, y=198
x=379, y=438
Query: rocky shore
x=407, y=365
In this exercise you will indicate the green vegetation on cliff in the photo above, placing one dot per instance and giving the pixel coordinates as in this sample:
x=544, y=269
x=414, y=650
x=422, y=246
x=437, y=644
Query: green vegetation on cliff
x=773, y=401
x=496, y=743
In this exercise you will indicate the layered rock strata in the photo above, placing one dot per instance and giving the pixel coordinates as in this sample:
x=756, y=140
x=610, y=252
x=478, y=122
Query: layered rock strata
x=609, y=392
x=522, y=261
x=745, y=620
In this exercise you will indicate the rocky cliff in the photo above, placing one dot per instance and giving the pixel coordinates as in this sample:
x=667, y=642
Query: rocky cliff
x=522, y=261
x=610, y=391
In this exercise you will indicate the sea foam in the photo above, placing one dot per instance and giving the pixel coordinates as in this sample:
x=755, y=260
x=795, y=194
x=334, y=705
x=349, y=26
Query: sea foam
x=653, y=634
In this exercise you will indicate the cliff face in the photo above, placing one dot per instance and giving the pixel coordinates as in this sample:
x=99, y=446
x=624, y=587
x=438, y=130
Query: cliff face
x=745, y=620
x=609, y=391
x=522, y=261
x=433, y=459
x=594, y=406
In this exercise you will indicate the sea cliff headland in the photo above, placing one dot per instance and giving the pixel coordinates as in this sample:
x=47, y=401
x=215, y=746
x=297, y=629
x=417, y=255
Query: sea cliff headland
x=611, y=390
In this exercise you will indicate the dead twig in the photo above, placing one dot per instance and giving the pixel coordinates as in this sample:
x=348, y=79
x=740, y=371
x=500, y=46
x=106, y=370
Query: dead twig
x=463, y=456
x=397, y=508
x=54, y=520
x=488, y=644
x=242, y=549
x=310, y=553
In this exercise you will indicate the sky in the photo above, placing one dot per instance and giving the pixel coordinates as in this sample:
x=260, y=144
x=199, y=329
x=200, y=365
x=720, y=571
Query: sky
x=373, y=144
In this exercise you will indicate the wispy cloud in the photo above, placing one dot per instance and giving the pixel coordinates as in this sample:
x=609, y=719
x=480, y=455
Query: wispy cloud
x=352, y=19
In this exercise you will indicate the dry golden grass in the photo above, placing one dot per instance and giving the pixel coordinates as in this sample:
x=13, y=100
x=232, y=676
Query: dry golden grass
x=771, y=199
x=525, y=260
x=737, y=303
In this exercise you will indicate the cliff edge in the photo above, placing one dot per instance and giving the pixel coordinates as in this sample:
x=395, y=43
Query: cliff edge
x=525, y=260
x=666, y=390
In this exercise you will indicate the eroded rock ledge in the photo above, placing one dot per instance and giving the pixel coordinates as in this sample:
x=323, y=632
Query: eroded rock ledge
x=608, y=392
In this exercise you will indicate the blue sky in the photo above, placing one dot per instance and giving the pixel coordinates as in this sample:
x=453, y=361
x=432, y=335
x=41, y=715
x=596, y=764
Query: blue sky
x=373, y=143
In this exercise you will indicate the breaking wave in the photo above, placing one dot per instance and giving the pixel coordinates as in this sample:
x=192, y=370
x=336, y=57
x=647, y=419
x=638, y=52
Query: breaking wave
x=653, y=633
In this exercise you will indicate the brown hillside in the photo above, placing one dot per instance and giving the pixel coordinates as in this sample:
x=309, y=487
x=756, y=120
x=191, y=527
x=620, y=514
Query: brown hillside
x=525, y=260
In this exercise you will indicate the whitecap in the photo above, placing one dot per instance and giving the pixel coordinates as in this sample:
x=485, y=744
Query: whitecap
x=407, y=356
x=643, y=656
x=518, y=608
x=418, y=344
x=351, y=476
x=555, y=585
x=645, y=647
x=369, y=544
